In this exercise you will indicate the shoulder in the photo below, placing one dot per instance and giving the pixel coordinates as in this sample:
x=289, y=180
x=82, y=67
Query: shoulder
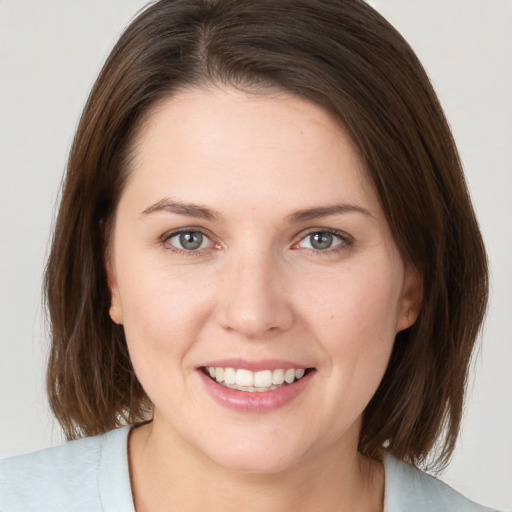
x=408, y=488
x=71, y=476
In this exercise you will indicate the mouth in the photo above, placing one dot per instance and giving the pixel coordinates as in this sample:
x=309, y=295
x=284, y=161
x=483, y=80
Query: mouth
x=242, y=379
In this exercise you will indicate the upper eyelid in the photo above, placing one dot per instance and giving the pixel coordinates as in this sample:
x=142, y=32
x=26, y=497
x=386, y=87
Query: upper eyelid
x=189, y=229
x=337, y=232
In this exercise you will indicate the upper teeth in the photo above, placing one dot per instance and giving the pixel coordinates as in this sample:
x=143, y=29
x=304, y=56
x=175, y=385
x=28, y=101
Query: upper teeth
x=247, y=379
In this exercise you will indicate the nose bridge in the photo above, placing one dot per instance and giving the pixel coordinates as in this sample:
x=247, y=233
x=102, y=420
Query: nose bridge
x=255, y=294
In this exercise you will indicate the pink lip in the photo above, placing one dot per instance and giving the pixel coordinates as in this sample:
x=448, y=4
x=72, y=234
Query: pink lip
x=245, y=401
x=255, y=366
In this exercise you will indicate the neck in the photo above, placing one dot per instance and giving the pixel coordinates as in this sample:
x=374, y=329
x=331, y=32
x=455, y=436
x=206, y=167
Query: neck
x=165, y=477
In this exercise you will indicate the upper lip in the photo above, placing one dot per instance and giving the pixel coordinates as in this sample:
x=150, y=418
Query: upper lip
x=263, y=364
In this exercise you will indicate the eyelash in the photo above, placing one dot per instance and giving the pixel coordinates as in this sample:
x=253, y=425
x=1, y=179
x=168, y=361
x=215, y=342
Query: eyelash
x=184, y=252
x=346, y=241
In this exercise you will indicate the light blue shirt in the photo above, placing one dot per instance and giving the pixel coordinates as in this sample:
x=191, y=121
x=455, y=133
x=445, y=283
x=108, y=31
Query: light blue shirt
x=91, y=475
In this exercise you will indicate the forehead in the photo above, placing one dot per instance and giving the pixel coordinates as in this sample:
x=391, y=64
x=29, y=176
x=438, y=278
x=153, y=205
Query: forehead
x=224, y=144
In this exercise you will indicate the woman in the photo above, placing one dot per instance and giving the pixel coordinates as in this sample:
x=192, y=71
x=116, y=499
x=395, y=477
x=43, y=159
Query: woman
x=261, y=262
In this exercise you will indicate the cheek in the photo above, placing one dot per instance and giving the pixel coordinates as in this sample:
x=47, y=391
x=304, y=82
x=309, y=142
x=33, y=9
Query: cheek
x=358, y=306
x=163, y=312
x=353, y=316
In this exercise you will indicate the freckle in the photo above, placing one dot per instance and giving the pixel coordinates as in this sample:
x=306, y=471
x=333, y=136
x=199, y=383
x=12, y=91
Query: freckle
x=332, y=317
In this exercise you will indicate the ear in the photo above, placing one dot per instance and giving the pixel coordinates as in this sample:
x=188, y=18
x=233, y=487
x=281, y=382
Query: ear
x=115, y=311
x=410, y=302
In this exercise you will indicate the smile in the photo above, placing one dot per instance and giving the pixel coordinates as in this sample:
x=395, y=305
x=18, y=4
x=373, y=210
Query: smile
x=246, y=380
x=261, y=389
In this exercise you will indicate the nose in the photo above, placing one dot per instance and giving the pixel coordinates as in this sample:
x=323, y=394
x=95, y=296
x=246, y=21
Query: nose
x=253, y=300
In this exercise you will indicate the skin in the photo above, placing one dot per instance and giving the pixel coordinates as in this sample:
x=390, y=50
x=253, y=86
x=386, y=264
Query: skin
x=256, y=289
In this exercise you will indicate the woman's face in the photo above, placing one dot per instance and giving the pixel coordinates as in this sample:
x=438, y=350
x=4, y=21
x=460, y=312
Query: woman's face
x=249, y=239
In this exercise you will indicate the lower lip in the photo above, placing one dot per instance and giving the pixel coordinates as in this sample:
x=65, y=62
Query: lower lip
x=257, y=401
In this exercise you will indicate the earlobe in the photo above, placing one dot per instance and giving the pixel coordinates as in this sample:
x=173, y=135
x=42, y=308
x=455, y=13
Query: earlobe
x=115, y=310
x=115, y=313
x=410, y=302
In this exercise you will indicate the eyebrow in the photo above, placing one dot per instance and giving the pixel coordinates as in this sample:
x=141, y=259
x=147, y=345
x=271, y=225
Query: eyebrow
x=188, y=209
x=326, y=211
x=202, y=212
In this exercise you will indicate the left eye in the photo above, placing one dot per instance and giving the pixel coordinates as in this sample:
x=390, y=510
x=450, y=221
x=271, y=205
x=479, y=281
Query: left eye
x=320, y=241
x=189, y=240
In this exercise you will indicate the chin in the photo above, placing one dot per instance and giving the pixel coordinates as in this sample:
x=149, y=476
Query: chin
x=254, y=463
x=255, y=457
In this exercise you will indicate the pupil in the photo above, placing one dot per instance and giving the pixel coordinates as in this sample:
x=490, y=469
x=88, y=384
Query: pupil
x=191, y=241
x=321, y=240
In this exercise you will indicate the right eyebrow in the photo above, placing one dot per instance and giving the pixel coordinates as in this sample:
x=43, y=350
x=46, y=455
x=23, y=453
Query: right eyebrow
x=180, y=208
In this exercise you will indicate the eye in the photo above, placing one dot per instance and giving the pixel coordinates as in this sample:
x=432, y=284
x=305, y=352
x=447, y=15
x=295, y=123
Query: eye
x=189, y=240
x=323, y=241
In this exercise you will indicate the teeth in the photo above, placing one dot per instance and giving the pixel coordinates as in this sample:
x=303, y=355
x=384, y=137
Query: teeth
x=251, y=389
x=263, y=379
x=289, y=376
x=246, y=380
x=229, y=376
x=278, y=376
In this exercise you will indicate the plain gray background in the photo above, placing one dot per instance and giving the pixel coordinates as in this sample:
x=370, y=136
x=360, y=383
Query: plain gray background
x=50, y=54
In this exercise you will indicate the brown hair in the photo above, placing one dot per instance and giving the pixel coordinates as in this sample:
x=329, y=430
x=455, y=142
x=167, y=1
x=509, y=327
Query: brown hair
x=343, y=56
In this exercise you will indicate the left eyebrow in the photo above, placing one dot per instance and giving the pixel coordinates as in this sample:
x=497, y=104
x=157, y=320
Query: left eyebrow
x=326, y=211
x=180, y=208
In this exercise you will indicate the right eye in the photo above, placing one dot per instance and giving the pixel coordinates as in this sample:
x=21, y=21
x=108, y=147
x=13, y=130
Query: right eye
x=189, y=241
